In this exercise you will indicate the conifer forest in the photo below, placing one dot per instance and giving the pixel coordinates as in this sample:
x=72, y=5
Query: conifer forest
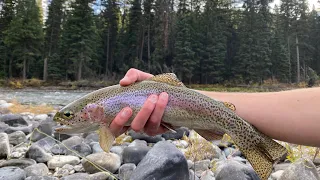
x=201, y=41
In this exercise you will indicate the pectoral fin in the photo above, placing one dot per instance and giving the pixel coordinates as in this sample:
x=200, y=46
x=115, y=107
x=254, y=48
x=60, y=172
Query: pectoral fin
x=210, y=135
x=106, y=138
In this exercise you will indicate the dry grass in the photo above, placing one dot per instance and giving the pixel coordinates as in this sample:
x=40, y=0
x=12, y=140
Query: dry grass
x=36, y=109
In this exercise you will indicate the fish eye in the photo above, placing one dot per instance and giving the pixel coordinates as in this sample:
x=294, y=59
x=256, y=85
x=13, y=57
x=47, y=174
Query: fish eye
x=68, y=114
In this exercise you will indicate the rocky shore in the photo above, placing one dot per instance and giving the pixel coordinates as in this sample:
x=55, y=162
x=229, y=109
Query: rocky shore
x=25, y=153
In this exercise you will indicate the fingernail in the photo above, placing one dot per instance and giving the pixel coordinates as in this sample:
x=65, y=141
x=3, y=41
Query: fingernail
x=163, y=95
x=153, y=98
x=125, y=113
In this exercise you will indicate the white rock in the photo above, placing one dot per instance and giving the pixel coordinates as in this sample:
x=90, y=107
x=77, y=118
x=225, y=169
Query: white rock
x=61, y=160
x=276, y=175
x=6, y=105
x=3, y=102
x=40, y=117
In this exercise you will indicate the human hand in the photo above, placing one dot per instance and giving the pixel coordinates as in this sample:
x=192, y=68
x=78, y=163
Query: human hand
x=149, y=117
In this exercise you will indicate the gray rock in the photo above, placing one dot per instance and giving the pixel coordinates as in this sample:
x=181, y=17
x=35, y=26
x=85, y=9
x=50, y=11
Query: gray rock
x=12, y=173
x=117, y=150
x=70, y=142
x=190, y=164
x=41, y=178
x=59, y=149
x=38, y=154
x=78, y=168
x=40, y=117
x=45, y=127
x=138, y=142
x=281, y=166
x=240, y=159
x=4, y=146
x=3, y=127
x=61, y=137
x=143, y=136
x=134, y=154
x=21, y=163
x=26, y=129
x=96, y=148
x=180, y=132
x=109, y=161
x=74, y=140
x=82, y=149
x=17, y=137
x=46, y=143
x=276, y=175
x=180, y=143
x=77, y=176
x=163, y=161
x=192, y=175
x=102, y=176
x=2, y=102
x=301, y=169
x=37, y=170
x=61, y=160
x=13, y=120
x=201, y=166
x=92, y=137
x=316, y=161
x=126, y=170
x=230, y=170
x=207, y=175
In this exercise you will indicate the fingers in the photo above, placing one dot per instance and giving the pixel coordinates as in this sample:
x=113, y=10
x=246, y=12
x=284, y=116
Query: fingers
x=134, y=75
x=152, y=126
x=143, y=115
x=117, y=126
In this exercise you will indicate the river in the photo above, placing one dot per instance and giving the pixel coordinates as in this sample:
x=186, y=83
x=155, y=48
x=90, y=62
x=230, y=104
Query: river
x=35, y=96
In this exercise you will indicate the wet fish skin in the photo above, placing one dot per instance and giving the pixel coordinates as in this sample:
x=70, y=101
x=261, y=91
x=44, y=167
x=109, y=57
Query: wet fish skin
x=185, y=107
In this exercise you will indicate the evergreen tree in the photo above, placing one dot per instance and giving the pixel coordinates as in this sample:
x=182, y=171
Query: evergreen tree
x=52, y=62
x=79, y=40
x=25, y=38
x=184, y=60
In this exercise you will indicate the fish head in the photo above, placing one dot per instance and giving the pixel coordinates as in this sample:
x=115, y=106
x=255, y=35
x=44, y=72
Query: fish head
x=79, y=119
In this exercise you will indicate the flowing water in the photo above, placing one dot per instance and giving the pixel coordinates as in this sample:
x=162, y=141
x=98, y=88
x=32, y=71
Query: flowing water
x=35, y=96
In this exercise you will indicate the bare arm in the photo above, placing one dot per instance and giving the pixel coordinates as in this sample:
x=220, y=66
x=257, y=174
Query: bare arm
x=291, y=116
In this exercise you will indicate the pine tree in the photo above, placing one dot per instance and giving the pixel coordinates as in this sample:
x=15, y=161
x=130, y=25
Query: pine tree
x=79, y=39
x=184, y=60
x=52, y=62
x=25, y=37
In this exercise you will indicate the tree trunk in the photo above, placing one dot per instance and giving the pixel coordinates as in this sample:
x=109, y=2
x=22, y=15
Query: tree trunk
x=289, y=61
x=80, y=67
x=298, y=60
x=45, y=69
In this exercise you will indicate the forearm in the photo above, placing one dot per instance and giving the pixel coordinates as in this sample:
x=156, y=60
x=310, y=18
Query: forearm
x=291, y=116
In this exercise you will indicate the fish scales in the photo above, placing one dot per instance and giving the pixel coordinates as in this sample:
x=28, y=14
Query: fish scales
x=185, y=107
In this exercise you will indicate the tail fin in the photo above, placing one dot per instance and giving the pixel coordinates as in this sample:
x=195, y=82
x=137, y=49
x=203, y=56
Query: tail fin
x=263, y=155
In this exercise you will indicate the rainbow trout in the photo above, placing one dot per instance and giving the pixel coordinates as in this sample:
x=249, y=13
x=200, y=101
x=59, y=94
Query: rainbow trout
x=186, y=107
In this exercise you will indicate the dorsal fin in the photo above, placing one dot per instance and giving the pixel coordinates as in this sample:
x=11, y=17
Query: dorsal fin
x=169, y=78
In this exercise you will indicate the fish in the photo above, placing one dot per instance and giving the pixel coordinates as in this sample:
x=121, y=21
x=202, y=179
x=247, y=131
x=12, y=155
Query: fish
x=186, y=108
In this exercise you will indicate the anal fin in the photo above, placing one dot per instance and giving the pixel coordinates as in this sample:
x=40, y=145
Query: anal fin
x=210, y=135
x=106, y=138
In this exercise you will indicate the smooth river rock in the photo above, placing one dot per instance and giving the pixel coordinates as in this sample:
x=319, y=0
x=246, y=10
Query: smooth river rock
x=61, y=160
x=301, y=169
x=12, y=173
x=109, y=161
x=163, y=161
x=4, y=146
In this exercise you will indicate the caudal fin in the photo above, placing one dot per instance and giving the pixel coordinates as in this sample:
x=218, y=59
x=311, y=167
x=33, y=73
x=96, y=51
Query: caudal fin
x=263, y=156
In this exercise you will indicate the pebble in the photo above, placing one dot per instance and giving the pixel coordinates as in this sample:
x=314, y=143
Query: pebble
x=229, y=151
x=95, y=146
x=21, y=163
x=138, y=142
x=143, y=136
x=40, y=117
x=201, y=166
x=301, y=169
x=102, y=176
x=109, y=161
x=61, y=160
x=181, y=143
x=17, y=137
x=4, y=146
x=38, y=154
x=45, y=127
x=92, y=137
x=160, y=162
x=230, y=170
x=192, y=175
x=134, y=154
x=207, y=175
x=281, y=166
x=37, y=170
x=126, y=170
x=77, y=176
x=2, y=102
x=276, y=175
x=81, y=149
x=46, y=143
x=41, y=178
x=13, y=120
x=12, y=173
x=178, y=135
x=6, y=105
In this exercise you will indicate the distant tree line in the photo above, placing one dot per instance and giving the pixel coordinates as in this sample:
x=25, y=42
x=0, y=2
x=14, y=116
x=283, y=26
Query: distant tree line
x=202, y=41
